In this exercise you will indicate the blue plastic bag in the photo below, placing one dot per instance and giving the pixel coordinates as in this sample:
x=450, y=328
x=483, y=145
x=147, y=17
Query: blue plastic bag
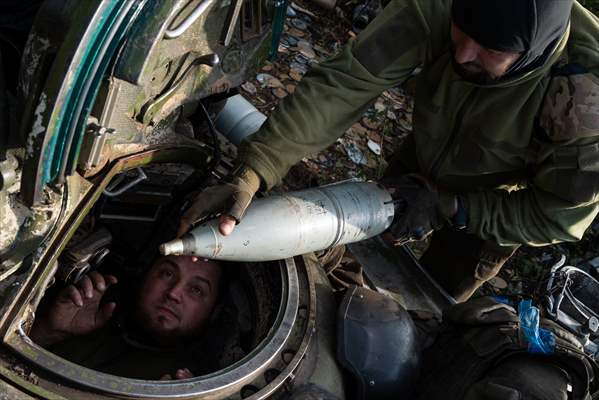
x=504, y=300
x=540, y=341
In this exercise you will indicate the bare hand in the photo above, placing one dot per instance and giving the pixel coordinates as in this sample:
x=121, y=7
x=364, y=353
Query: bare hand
x=226, y=224
x=76, y=310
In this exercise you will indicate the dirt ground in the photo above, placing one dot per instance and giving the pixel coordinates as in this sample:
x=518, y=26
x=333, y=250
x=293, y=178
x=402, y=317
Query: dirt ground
x=312, y=34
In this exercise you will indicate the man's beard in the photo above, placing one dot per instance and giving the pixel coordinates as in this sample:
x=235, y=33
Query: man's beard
x=146, y=331
x=472, y=72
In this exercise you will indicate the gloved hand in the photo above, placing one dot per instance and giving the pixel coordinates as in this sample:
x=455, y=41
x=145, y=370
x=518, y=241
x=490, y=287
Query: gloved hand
x=230, y=199
x=419, y=207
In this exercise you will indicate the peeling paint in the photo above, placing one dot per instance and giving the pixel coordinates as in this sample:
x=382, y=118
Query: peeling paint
x=13, y=217
x=37, y=127
x=35, y=48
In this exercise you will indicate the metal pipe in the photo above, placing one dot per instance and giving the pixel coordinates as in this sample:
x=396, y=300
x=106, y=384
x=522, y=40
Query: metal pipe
x=238, y=119
x=183, y=26
x=295, y=223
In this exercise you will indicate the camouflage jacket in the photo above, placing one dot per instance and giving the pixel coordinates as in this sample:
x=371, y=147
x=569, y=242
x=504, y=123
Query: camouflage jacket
x=524, y=151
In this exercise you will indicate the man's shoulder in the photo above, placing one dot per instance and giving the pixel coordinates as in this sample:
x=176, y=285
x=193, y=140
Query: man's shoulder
x=583, y=43
x=571, y=107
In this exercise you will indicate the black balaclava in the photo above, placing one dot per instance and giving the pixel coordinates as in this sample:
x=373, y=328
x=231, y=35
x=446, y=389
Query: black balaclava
x=530, y=27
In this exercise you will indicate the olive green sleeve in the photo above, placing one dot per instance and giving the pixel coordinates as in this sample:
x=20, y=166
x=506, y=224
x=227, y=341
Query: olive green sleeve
x=558, y=205
x=335, y=93
x=530, y=216
x=562, y=198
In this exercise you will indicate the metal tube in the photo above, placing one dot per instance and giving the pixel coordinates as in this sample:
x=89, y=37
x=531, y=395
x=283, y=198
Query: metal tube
x=183, y=26
x=238, y=119
x=295, y=223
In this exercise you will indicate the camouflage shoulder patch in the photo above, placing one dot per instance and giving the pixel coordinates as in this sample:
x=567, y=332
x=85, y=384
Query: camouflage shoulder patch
x=571, y=107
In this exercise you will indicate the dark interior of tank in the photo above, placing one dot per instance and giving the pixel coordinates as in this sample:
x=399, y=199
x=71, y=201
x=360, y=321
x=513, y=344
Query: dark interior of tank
x=120, y=236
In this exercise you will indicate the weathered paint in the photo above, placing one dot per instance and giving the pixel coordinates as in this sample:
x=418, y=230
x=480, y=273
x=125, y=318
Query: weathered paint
x=38, y=127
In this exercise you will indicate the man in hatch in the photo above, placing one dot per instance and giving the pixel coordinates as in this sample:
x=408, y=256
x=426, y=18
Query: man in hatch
x=159, y=338
x=505, y=145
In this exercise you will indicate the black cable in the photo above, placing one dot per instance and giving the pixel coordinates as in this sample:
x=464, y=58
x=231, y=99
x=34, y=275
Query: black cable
x=217, y=155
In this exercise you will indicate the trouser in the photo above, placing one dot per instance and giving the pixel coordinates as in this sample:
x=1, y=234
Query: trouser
x=458, y=261
x=340, y=267
x=461, y=262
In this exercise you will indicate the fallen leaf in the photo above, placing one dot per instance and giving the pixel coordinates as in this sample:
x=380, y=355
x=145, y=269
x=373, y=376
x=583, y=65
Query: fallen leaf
x=379, y=106
x=269, y=81
x=374, y=136
x=249, y=87
x=290, y=88
x=358, y=128
x=296, y=75
x=303, y=68
x=374, y=147
x=309, y=53
x=279, y=93
x=497, y=282
x=303, y=10
x=292, y=40
x=299, y=24
x=370, y=123
x=355, y=154
x=321, y=50
x=296, y=32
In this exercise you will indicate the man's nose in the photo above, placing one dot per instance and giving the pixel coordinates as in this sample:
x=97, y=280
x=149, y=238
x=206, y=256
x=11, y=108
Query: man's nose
x=466, y=51
x=175, y=293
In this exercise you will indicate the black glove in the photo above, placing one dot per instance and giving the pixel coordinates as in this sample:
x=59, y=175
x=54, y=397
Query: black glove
x=419, y=207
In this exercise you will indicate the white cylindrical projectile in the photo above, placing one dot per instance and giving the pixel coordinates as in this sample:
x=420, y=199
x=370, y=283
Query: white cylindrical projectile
x=290, y=224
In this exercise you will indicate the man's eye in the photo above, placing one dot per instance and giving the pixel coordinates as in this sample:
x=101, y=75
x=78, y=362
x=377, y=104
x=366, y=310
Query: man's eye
x=196, y=290
x=165, y=273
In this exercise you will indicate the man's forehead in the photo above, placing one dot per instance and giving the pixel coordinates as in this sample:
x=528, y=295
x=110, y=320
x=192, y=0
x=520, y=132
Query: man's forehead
x=192, y=266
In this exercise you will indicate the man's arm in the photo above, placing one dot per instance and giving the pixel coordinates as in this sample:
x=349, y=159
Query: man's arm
x=563, y=198
x=336, y=93
x=328, y=100
x=76, y=311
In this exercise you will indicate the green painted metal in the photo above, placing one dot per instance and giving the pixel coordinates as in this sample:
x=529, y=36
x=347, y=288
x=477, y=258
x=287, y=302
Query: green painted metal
x=84, y=82
x=278, y=24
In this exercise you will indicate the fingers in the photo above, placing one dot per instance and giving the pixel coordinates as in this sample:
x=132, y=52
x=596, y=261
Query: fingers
x=211, y=200
x=98, y=280
x=188, y=219
x=180, y=374
x=226, y=224
x=73, y=294
x=88, y=286
x=95, y=281
x=105, y=313
x=193, y=214
x=183, y=374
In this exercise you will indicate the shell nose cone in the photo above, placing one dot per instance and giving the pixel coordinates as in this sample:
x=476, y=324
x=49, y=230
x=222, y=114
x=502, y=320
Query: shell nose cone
x=174, y=247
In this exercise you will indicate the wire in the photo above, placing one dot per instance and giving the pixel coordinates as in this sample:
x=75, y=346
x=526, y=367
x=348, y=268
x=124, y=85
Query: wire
x=217, y=155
